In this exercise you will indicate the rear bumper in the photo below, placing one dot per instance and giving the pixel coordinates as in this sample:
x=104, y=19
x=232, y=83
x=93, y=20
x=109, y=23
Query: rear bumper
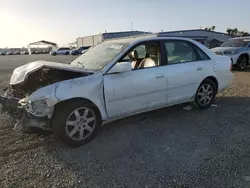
x=225, y=81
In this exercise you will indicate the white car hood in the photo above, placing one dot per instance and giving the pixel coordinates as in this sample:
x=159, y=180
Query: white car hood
x=21, y=73
x=222, y=49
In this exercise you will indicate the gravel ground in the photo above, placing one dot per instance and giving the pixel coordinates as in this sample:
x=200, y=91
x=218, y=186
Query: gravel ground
x=171, y=147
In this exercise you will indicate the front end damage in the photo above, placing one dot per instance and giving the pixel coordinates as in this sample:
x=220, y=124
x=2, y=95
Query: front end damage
x=27, y=102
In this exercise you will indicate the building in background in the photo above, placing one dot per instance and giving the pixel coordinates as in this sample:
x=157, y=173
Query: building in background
x=73, y=45
x=41, y=46
x=210, y=39
x=96, y=39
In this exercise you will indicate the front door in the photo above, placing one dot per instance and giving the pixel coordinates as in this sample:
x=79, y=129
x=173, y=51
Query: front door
x=142, y=88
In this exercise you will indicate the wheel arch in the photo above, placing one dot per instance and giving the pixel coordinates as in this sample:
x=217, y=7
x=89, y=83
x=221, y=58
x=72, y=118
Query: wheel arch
x=212, y=78
x=61, y=103
x=244, y=54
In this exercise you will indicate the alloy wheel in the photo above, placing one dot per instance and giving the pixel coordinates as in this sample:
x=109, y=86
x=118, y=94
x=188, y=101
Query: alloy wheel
x=81, y=123
x=243, y=63
x=205, y=94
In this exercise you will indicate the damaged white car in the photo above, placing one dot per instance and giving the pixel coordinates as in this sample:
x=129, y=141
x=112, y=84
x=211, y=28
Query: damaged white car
x=114, y=79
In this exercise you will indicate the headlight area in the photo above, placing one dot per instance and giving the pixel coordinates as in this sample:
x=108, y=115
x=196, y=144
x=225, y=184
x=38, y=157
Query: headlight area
x=39, y=108
x=234, y=52
x=36, y=114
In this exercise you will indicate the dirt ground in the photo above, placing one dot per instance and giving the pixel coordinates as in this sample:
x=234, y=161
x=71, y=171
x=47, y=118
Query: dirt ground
x=171, y=147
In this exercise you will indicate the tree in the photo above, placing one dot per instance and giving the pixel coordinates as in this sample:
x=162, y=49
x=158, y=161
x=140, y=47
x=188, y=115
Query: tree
x=232, y=31
x=243, y=33
x=210, y=28
x=236, y=32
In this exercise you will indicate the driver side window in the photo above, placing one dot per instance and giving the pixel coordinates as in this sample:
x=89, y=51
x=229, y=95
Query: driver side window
x=143, y=56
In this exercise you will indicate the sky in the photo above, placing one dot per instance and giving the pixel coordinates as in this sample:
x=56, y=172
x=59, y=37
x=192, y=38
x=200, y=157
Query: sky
x=62, y=21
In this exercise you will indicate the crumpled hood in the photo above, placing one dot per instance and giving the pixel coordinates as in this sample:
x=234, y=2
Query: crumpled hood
x=222, y=49
x=20, y=73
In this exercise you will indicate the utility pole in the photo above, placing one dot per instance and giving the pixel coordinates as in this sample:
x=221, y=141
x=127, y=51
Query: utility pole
x=131, y=25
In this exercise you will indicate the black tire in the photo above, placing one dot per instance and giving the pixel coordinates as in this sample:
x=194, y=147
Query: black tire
x=242, y=62
x=67, y=53
x=54, y=54
x=62, y=114
x=198, y=97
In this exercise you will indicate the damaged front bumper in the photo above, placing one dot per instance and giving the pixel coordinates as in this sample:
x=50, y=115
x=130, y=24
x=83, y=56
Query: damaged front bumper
x=23, y=118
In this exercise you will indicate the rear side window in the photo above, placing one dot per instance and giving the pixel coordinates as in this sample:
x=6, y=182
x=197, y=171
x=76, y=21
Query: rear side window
x=178, y=51
x=63, y=49
x=202, y=54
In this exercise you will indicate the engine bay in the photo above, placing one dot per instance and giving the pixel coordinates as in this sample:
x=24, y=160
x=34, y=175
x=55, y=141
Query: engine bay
x=41, y=78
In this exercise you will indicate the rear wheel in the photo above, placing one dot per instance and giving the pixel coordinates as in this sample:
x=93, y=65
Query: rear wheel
x=205, y=94
x=242, y=62
x=76, y=123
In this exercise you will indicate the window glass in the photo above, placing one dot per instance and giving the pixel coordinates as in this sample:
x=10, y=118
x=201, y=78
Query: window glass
x=63, y=49
x=143, y=56
x=99, y=56
x=141, y=50
x=202, y=54
x=235, y=43
x=180, y=52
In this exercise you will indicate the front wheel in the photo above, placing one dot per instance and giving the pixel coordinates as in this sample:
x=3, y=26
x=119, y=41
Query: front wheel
x=205, y=94
x=242, y=63
x=67, y=53
x=76, y=123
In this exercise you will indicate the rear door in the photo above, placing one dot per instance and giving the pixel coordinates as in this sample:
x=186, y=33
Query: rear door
x=185, y=69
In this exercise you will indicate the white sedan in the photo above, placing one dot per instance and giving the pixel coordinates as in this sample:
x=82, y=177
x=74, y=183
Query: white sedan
x=112, y=80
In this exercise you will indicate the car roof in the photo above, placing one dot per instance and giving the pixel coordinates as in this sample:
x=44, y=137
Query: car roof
x=137, y=39
x=240, y=38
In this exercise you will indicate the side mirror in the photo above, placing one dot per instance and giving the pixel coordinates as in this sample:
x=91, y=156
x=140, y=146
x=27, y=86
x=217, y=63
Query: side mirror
x=121, y=67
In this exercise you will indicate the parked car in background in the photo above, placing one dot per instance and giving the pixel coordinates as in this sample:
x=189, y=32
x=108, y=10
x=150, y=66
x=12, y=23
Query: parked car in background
x=85, y=50
x=2, y=52
x=238, y=49
x=113, y=80
x=16, y=53
x=79, y=50
x=9, y=53
x=44, y=52
x=61, y=51
x=24, y=52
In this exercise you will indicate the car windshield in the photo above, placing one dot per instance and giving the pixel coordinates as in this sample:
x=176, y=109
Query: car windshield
x=236, y=43
x=98, y=57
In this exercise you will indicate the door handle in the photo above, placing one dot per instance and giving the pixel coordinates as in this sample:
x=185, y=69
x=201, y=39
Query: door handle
x=199, y=68
x=161, y=76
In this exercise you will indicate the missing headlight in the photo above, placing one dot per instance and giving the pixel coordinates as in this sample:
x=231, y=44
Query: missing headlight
x=38, y=108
